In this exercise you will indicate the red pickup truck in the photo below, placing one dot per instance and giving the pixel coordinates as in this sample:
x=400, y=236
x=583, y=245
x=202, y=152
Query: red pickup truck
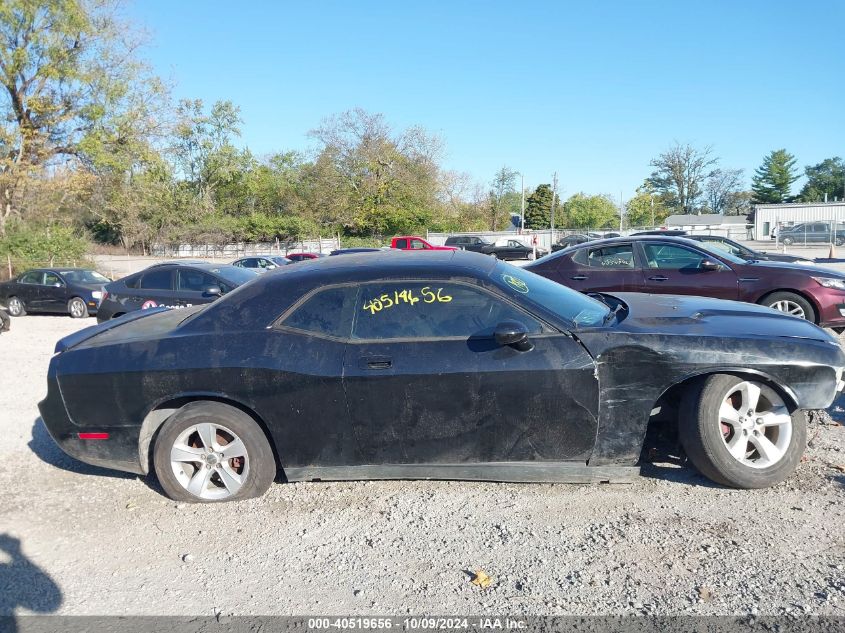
x=414, y=243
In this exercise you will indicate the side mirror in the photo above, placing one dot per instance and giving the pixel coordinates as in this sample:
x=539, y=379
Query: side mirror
x=513, y=334
x=270, y=266
x=709, y=264
x=57, y=284
x=213, y=291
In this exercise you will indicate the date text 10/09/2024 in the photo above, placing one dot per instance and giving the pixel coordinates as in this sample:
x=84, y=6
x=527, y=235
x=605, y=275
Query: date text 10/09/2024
x=417, y=623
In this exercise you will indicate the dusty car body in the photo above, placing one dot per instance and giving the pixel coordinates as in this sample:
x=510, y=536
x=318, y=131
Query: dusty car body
x=446, y=365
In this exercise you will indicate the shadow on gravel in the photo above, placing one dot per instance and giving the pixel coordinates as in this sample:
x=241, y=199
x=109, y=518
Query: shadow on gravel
x=662, y=458
x=49, y=452
x=23, y=584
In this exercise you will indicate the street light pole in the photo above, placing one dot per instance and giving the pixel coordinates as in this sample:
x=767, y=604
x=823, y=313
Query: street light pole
x=522, y=211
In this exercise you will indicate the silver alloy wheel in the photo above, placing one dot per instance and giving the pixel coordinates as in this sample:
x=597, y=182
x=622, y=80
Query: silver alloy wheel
x=532, y=256
x=15, y=306
x=77, y=308
x=755, y=425
x=209, y=461
x=790, y=307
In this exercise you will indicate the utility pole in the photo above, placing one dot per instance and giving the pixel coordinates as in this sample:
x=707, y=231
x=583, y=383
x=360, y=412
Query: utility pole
x=621, y=211
x=652, y=210
x=554, y=196
x=522, y=212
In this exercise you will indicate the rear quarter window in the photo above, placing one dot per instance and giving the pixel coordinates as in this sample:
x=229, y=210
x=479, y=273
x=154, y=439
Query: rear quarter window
x=328, y=312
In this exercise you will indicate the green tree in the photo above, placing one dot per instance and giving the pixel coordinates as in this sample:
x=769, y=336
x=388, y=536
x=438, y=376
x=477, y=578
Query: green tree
x=538, y=208
x=772, y=181
x=824, y=181
x=679, y=175
x=502, y=185
x=73, y=88
x=590, y=212
x=647, y=208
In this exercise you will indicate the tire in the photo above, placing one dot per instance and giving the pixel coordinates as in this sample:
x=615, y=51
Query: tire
x=16, y=307
x=787, y=241
x=839, y=241
x=196, y=475
x=726, y=447
x=790, y=303
x=77, y=309
x=531, y=256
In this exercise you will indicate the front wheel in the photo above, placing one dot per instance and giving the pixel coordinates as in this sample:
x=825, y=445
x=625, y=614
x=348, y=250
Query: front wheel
x=16, y=307
x=211, y=452
x=790, y=303
x=77, y=308
x=741, y=433
x=839, y=241
x=787, y=241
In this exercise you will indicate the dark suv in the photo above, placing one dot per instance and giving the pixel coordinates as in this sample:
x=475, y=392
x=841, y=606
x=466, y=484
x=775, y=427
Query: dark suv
x=175, y=285
x=468, y=242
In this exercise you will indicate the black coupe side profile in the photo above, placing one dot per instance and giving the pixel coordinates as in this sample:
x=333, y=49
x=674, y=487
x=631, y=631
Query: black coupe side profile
x=436, y=365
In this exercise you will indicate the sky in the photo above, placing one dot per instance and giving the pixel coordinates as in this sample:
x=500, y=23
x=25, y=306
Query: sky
x=592, y=90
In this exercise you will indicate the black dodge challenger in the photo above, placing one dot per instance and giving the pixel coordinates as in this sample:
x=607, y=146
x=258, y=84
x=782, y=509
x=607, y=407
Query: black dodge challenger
x=445, y=365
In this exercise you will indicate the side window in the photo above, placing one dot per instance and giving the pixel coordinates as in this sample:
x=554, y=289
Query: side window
x=132, y=282
x=415, y=309
x=194, y=280
x=32, y=277
x=329, y=312
x=238, y=263
x=671, y=257
x=156, y=280
x=617, y=256
x=417, y=244
x=51, y=279
x=401, y=243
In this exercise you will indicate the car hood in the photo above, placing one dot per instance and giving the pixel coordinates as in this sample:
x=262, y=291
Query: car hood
x=704, y=316
x=760, y=266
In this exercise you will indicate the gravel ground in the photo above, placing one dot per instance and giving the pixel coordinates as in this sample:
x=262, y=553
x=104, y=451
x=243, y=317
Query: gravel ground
x=75, y=539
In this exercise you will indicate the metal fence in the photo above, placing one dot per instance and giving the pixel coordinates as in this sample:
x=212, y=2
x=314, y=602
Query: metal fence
x=243, y=249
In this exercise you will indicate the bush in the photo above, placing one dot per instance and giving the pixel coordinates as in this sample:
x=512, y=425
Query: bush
x=34, y=246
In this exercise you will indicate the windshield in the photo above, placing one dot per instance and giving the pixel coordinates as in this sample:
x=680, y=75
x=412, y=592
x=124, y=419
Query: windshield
x=85, y=277
x=569, y=304
x=280, y=261
x=717, y=249
x=233, y=274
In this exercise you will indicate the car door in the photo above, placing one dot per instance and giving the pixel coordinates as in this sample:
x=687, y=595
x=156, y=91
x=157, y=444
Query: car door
x=606, y=268
x=680, y=269
x=29, y=288
x=155, y=288
x=426, y=383
x=54, y=293
x=192, y=287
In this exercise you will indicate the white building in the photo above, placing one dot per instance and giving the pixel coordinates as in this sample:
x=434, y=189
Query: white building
x=732, y=226
x=769, y=216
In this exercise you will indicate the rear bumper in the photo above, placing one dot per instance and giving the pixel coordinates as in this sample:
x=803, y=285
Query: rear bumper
x=118, y=451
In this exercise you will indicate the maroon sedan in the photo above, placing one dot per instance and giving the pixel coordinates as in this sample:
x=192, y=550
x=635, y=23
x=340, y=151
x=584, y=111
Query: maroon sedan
x=674, y=265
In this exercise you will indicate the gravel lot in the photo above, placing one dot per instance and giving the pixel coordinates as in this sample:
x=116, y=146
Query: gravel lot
x=99, y=542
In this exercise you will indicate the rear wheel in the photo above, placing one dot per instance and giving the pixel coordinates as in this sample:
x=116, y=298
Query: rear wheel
x=16, y=307
x=210, y=452
x=741, y=433
x=77, y=308
x=791, y=303
x=839, y=241
x=787, y=241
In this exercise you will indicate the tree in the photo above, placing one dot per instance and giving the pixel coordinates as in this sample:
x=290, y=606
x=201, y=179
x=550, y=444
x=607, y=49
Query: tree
x=589, y=212
x=538, y=207
x=647, y=208
x=503, y=184
x=825, y=181
x=680, y=173
x=773, y=180
x=722, y=188
x=71, y=83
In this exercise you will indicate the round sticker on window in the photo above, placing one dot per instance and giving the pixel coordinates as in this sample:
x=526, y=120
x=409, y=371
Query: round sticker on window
x=515, y=283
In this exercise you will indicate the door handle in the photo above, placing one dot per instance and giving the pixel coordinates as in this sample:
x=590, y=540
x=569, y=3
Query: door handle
x=658, y=278
x=375, y=362
x=579, y=277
